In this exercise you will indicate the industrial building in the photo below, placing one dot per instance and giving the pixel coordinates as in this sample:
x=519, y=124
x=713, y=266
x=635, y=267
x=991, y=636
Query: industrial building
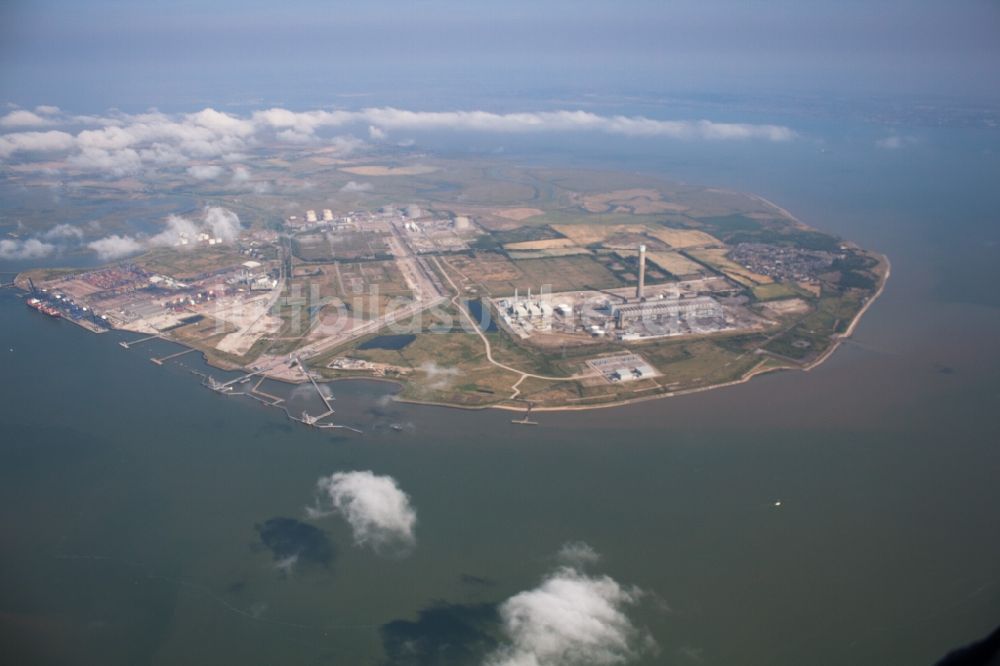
x=525, y=315
x=699, y=307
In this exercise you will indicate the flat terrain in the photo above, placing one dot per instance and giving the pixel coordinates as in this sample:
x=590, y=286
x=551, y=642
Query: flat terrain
x=405, y=243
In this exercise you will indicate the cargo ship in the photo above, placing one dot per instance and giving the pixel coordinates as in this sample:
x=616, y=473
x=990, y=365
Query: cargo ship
x=42, y=307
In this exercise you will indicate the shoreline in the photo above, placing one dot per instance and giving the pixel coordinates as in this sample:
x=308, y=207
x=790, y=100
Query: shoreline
x=747, y=376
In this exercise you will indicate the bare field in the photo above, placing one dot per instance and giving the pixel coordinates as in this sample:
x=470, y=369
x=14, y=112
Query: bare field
x=636, y=201
x=683, y=238
x=543, y=254
x=500, y=276
x=566, y=273
x=787, y=306
x=774, y=291
x=674, y=263
x=517, y=214
x=549, y=244
x=716, y=258
x=590, y=234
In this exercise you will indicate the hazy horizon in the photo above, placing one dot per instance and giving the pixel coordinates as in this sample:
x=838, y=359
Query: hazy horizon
x=176, y=56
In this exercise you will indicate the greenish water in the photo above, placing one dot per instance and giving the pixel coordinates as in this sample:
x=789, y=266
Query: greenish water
x=133, y=499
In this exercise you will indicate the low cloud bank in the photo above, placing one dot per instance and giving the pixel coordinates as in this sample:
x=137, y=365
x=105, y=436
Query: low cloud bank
x=64, y=232
x=378, y=511
x=571, y=619
x=205, y=171
x=31, y=248
x=121, y=144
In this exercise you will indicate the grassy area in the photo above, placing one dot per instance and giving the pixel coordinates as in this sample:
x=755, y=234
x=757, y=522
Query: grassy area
x=498, y=275
x=774, y=291
x=716, y=259
x=188, y=264
x=812, y=334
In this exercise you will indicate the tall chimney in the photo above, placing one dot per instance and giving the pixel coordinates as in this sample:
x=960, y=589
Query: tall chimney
x=642, y=273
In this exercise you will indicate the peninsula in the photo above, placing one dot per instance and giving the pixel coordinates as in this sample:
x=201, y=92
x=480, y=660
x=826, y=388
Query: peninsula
x=480, y=283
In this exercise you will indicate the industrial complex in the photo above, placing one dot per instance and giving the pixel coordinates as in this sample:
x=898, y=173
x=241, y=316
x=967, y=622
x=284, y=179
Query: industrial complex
x=500, y=304
x=662, y=310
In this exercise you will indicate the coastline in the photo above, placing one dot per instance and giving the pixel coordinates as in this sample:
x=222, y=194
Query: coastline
x=747, y=376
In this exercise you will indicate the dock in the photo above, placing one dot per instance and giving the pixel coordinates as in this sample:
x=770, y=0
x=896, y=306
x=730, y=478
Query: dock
x=322, y=396
x=128, y=345
x=255, y=391
x=526, y=420
x=160, y=361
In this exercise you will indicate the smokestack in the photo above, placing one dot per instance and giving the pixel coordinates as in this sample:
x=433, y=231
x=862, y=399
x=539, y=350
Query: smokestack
x=642, y=273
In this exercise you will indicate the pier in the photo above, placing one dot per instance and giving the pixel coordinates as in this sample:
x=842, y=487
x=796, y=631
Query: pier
x=160, y=361
x=307, y=418
x=526, y=420
x=128, y=345
x=255, y=391
x=322, y=396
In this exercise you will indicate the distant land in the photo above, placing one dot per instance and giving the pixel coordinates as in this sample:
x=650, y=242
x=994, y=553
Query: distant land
x=472, y=283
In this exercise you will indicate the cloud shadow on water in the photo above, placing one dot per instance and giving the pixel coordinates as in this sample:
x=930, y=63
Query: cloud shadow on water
x=442, y=635
x=479, y=581
x=294, y=542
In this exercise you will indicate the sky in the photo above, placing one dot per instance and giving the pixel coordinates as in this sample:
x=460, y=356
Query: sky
x=90, y=56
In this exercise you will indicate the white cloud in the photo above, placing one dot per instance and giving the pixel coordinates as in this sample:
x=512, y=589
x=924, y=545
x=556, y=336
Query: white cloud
x=23, y=118
x=563, y=121
x=346, y=144
x=31, y=248
x=295, y=136
x=578, y=554
x=379, y=513
x=29, y=142
x=354, y=186
x=126, y=143
x=241, y=174
x=115, y=247
x=571, y=619
x=64, y=232
x=120, y=162
x=204, y=171
x=47, y=110
x=895, y=142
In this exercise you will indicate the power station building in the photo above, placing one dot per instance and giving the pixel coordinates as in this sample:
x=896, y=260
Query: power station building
x=699, y=307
